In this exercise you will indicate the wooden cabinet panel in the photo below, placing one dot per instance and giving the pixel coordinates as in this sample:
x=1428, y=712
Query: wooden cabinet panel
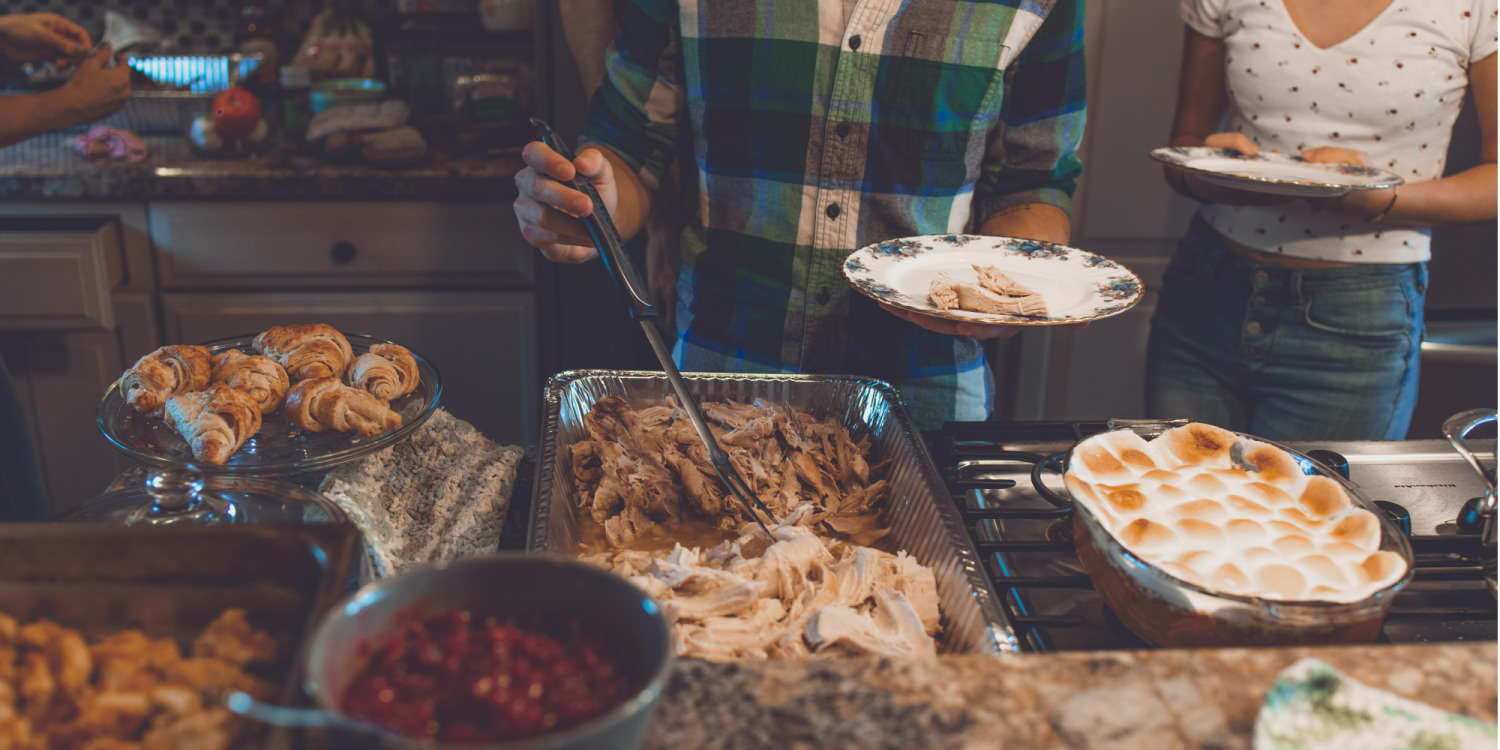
x=60, y=377
x=137, y=275
x=244, y=245
x=56, y=273
x=483, y=342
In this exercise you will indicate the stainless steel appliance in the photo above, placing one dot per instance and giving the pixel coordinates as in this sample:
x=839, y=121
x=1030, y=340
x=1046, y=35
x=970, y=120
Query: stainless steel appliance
x=1004, y=478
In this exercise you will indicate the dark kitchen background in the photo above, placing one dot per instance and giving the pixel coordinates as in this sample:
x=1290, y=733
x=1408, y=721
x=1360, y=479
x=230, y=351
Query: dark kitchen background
x=1049, y=375
x=460, y=283
x=578, y=301
x=198, y=26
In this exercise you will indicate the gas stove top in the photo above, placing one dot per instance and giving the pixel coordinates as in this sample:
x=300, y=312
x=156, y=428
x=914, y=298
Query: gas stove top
x=1005, y=478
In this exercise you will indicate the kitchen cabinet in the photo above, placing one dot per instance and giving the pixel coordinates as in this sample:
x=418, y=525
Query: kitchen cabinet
x=60, y=376
x=338, y=244
x=58, y=272
x=453, y=280
x=482, y=342
x=65, y=312
x=86, y=288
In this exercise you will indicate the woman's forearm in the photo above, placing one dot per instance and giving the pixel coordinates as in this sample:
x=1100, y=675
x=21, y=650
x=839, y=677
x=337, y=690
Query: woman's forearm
x=1463, y=197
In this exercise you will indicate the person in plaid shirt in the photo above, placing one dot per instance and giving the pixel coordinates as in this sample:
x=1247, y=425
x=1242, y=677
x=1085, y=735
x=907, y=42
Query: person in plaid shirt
x=819, y=127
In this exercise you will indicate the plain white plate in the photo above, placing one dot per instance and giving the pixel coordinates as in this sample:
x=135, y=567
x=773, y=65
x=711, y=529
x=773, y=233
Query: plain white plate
x=1275, y=174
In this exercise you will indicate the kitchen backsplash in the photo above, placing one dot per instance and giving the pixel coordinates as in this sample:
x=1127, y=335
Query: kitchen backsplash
x=201, y=26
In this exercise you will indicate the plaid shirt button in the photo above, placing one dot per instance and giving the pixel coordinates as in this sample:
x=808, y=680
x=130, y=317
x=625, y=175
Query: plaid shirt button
x=833, y=211
x=854, y=42
x=843, y=129
x=823, y=296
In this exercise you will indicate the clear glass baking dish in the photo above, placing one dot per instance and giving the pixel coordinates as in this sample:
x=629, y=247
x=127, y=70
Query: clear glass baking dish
x=1169, y=612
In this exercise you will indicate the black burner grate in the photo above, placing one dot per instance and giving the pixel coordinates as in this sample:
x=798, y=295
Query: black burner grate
x=1447, y=600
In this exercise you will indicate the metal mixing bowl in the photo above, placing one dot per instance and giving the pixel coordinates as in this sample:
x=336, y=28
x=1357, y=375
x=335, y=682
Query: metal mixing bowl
x=636, y=634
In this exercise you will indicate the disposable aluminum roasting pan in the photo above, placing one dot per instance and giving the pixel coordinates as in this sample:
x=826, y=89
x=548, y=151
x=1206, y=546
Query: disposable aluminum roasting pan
x=924, y=521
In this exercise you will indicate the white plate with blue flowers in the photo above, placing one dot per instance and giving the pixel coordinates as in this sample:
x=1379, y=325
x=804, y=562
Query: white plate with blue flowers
x=1273, y=173
x=1076, y=285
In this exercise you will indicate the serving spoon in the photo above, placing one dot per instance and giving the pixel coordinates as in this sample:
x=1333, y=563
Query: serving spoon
x=622, y=271
x=308, y=718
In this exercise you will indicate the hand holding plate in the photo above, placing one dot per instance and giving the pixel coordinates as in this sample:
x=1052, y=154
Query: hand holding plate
x=1201, y=190
x=980, y=331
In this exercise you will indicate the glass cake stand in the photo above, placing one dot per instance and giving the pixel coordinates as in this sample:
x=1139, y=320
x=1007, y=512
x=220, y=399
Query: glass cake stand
x=179, y=488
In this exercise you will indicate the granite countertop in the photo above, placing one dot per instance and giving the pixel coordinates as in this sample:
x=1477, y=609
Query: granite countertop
x=47, y=167
x=1102, y=699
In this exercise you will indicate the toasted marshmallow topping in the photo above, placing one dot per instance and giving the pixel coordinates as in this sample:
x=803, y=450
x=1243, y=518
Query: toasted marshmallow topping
x=1237, y=519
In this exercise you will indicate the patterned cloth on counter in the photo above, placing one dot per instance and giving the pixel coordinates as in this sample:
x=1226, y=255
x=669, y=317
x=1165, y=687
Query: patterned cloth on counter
x=1313, y=706
x=102, y=140
x=439, y=495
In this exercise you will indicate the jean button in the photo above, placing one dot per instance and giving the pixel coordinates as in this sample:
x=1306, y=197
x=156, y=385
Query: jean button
x=1253, y=328
x=1262, y=277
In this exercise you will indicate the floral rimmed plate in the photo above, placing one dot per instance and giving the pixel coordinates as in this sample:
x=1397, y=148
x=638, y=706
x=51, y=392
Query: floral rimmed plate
x=1078, y=286
x=1275, y=174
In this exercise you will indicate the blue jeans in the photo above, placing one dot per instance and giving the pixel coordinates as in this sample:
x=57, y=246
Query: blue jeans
x=1318, y=354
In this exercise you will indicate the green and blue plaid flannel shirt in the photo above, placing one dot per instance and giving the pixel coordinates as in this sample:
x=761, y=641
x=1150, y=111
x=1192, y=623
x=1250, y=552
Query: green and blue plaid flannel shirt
x=812, y=136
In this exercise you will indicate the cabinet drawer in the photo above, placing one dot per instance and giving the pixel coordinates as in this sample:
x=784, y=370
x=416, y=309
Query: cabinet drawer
x=57, y=272
x=239, y=244
x=483, y=342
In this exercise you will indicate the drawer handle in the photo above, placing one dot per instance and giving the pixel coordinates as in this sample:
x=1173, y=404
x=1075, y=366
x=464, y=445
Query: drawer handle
x=343, y=252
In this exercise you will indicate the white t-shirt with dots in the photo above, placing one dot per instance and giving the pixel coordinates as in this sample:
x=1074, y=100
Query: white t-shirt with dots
x=1392, y=90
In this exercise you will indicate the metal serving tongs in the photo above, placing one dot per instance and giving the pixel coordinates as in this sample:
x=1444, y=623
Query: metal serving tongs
x=606, y=237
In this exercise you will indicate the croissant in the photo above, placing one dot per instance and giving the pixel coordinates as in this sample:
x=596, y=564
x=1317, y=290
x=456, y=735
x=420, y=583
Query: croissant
x=319, y=404
x=257, y=376
x=313, y=350
x=215, y=422
x=163, y=373
x=387, y=371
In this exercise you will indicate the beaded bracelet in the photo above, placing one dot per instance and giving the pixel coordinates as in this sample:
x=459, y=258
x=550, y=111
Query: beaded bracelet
x=1377, y=218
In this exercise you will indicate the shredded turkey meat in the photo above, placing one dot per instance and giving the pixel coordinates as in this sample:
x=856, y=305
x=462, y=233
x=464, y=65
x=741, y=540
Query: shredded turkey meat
x=641, y=467
x=802, y=595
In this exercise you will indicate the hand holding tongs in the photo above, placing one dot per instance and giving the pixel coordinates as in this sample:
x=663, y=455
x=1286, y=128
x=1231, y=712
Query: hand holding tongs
x=606, y=237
